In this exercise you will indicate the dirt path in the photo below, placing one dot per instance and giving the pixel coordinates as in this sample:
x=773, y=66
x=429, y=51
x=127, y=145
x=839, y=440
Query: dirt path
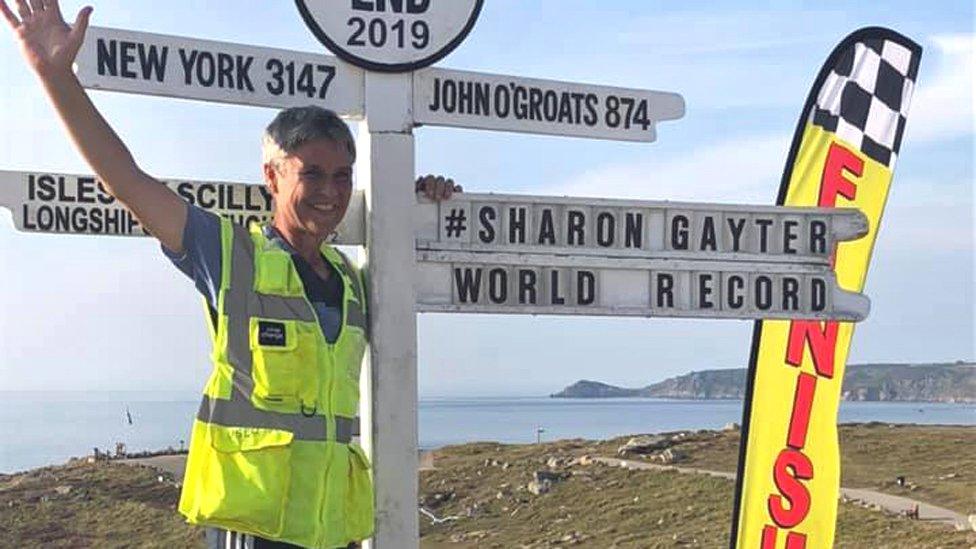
x=173, y=465
x=890, y=503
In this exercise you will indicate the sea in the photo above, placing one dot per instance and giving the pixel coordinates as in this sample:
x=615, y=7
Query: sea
x=47, y=428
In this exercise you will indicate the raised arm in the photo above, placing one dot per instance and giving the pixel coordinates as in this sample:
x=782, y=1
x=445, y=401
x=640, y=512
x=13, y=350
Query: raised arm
x=50, y=46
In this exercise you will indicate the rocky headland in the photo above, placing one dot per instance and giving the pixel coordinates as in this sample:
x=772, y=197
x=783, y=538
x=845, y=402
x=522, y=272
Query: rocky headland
x=938, y=382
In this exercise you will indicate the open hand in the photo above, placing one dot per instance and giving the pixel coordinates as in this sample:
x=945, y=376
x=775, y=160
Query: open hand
x=436, y=187
x=49, y=45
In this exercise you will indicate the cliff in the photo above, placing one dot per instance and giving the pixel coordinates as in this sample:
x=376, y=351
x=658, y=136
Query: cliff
x=940, y=382
x=594, y=389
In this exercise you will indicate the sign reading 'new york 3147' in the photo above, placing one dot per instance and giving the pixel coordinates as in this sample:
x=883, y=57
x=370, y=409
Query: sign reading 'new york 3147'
x=189, y=68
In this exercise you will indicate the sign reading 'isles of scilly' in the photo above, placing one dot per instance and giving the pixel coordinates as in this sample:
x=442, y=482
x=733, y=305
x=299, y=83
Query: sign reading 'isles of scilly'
x=58, y=203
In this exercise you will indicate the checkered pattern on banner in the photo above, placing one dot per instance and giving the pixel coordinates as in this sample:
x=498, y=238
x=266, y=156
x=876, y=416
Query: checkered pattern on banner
x=865, y=98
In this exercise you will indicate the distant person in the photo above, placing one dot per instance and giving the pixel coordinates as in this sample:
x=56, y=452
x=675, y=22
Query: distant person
x=271, y=456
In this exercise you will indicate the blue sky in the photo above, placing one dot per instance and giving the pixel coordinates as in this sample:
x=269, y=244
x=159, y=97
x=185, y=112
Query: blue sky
x=110, y=313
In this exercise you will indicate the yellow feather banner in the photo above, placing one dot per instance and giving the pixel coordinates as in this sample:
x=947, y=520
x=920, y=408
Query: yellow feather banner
x=843, y=155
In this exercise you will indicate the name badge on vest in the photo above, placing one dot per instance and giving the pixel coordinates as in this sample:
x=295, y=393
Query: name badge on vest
x=271, y=334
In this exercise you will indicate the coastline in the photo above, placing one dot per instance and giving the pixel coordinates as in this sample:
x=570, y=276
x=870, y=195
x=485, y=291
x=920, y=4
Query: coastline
x=54, y=432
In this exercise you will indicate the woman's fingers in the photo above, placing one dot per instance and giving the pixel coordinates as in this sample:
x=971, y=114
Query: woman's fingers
x=9, y=15
x=23, y=10
x=77, y=35
x=55, y=7
x=436, y=187
x=52, y=7
x=430, y=187
x=423, y=185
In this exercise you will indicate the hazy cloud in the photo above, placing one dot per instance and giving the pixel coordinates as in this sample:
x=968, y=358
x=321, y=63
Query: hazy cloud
x=738, y=32
x=745, y=169
x=943, y=104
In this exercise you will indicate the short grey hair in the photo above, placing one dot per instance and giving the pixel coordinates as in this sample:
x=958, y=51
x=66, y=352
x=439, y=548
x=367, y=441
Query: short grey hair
x=295, y=126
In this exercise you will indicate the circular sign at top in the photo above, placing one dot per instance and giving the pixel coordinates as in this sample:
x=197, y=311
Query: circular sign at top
x=390, y=35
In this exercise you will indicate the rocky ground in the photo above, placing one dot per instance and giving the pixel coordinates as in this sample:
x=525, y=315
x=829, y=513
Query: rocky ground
x=539, y=495
x=558, y=494
x=99, y=504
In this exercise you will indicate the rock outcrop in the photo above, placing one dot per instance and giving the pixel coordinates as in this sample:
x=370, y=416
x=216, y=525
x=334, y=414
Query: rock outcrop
x=944, y=382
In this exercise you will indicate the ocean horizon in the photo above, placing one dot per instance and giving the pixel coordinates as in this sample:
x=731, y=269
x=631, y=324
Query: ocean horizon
x=49, y=427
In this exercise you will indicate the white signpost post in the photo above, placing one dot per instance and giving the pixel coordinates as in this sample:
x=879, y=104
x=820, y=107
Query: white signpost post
x=476, y=252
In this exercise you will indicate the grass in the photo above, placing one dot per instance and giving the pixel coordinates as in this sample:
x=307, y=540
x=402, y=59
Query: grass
x=108, y=504
x=939, y=460
x=601, y=506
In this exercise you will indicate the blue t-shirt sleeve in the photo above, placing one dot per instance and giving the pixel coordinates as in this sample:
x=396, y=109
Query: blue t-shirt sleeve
x=200, y=259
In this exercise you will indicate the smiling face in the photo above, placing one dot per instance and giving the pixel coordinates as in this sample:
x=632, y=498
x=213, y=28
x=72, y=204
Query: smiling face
x=311, y=188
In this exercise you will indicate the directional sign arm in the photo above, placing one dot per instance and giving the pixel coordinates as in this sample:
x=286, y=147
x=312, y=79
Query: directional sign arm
x=189, y=68
x=603, y=227
x=497, y=102
x=572, y=285
x=47, y=202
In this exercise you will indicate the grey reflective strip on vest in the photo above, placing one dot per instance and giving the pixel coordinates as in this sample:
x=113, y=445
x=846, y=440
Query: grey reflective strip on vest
x=240, y=413
x=236, y=305
x=350, y=272
x=355, y=316
x=273, y=306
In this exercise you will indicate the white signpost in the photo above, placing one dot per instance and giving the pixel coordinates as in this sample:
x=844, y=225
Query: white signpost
x=474, y=253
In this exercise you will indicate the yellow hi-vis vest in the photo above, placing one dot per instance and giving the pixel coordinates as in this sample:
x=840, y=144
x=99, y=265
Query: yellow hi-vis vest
x=271, y=451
